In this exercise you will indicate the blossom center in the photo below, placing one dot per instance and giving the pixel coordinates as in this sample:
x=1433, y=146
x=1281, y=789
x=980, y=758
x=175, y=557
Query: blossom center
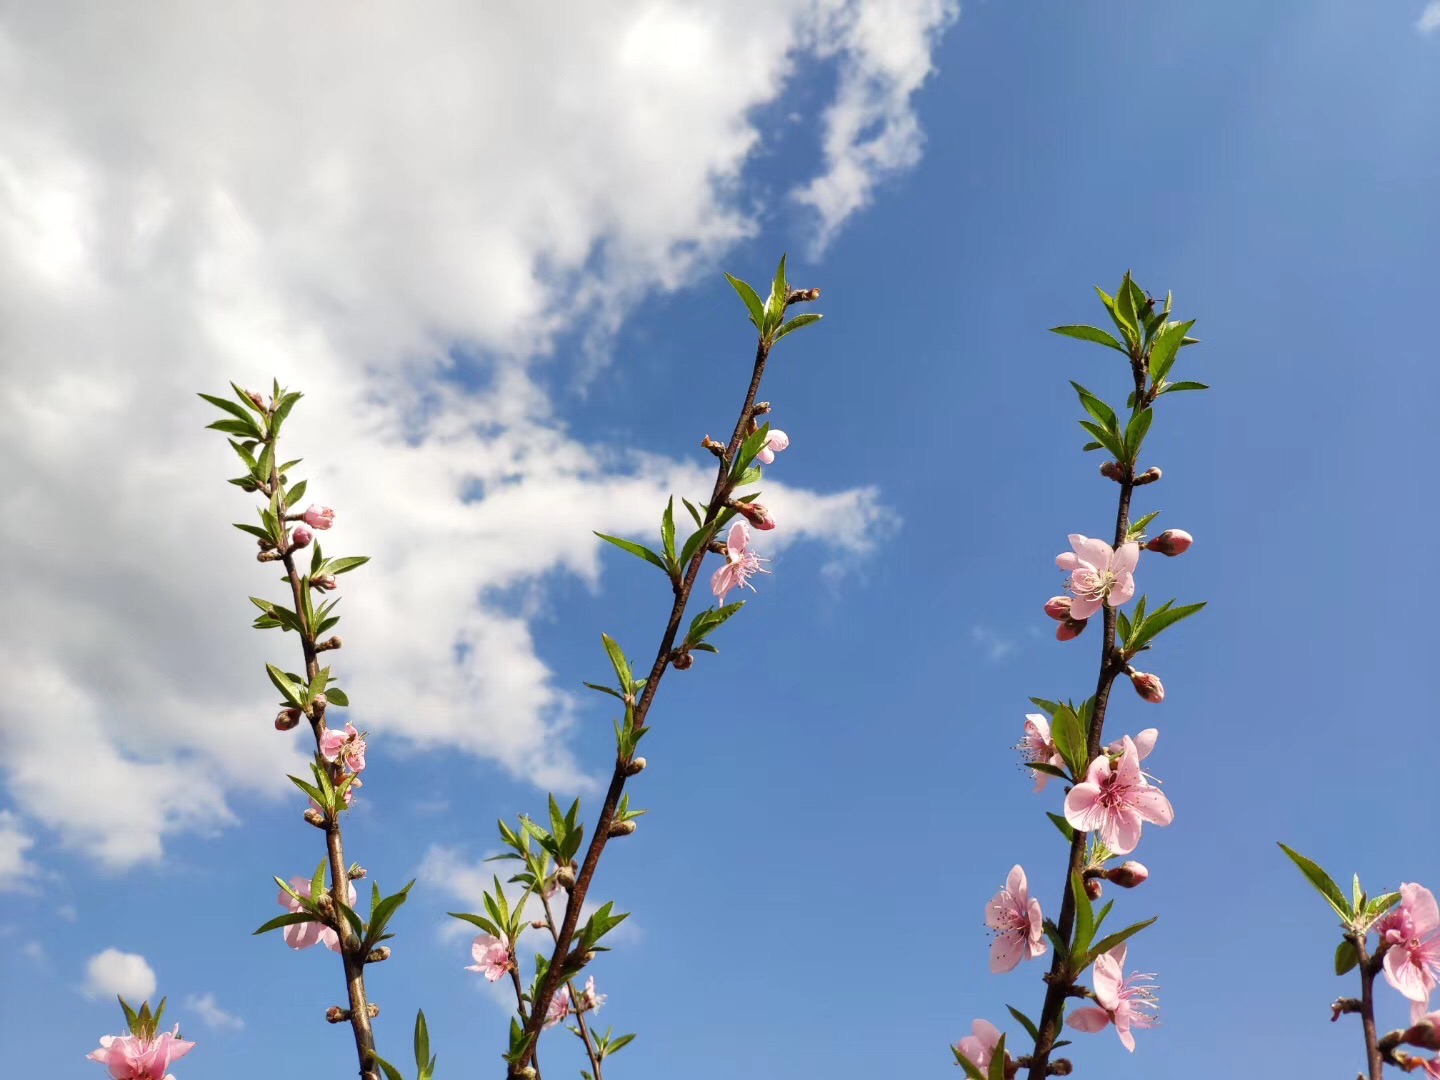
x=1091, y=584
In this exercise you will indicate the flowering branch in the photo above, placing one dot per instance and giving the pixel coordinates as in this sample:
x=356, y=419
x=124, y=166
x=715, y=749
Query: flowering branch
x=1406, y=924
x=313, y=914
x=574, y=944
x=1109, y=798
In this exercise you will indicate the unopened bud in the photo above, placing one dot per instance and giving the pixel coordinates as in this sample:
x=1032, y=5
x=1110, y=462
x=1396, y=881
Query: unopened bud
x=566, y=877
x=1113, y=470
x=1149, y=476
x=356, y=871
x=1070, y=629
x=635, y=765
x=325, y=905
x=1171, y=542
x=1058, y=608
x=1127, y=875
x=325, y=582
x=315, y=817
x=718, y=449
x=336, y=1015
x=329, y=643
x=300, y=537
x=286, y=719
x=717, y=547
x=1058, y=1067
x=378, y=955
x=269, y=555
x=318, y=704
x=1148, y=686
x=682, y=659
x=538, y=924
x=1424, y=1033
x=372, y=1010
x=621, y=828
x=527, y=1073
x=259, y=400
x=755, y=513
x=801, y=296
x=1093, y=888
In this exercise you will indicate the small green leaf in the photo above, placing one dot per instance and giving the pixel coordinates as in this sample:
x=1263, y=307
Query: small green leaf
x=1084, y=917
x=391, y=1072
x=1135, y=432
x=1175, y=388
x=345, y=564
x=667, y=532
x=1025, y=1022
x=1105, y=944
x=753, y=304
x=618, y=661
x=477, y=920
x=605, y=690
x=336, y=696
x=1060, y=823
x=288, y=689
x=1159, y=620
x=1070, y=739
x=1345, y=957
x=1165, y=348
x=797, y=323
x=638, y=550
x=1090, y=333
x=779, y=293
x=997, y=1063
x=1322, y=883
x=290, y=918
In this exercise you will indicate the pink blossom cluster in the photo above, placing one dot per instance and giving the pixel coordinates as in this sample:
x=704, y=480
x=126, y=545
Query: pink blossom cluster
x=1410, y=935
x=741, y=563
x=303, y=935
x=348, y=749
x=315, y=517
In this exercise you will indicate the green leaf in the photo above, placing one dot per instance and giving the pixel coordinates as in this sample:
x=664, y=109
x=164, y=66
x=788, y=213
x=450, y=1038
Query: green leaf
x=710, y=619
x=1165, y=348
x=971, y=1072
x=753, y=304
x=244, y=429
x=749, y=448
x=244, y=399
x=694, y=512
x=667, y=532
x=779, y=292
x=1090, y=333
x=1159, y=620
x=1095, y=407
x=1175, y=388
x=1110, y=440
x=1105, y=944
x=1048, y=769
x=1070, y=739
x=391, y=1072
x=621, y=665
x=698, y=539
x=1135, y=432
x=637, y=550
x=336, y=696
x=1138, y=528
x=605, y=690
x=1084, y=917
x=1025, y=1022
x=797, y=323
x=1322, y=883
x=1345, y=957
x=618, y=1043
x=296, y=493
x=477, y=920
x=997, y=1063
x=234, y=410
x=345, y=564
x=288, y=689
x=290, y=918
x=1381, y=904
x=1060, y=823
x=253, y=530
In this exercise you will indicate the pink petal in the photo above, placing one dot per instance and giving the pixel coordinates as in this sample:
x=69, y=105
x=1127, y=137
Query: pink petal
x=777, y=440
x=1423, y=911
x=1088, y=1019
x=1071, y=562
x=766, y=456
x=1122, y=1028
x=1145, y=742
x=1125, y=560
x=1037, y=725
x=738, y=538
x=1095, y=552
x=1083, y=608
x=1121, y=831
x=1152, y=805
x=1082, y=808
x=1107, y=977
x=1403, y=975
x=1017, y=886
x=1005, y=952
x=1122, y=590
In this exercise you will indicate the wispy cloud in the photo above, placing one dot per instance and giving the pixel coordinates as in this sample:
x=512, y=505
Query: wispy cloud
x=16, y=871
x=989, y=645
x=1429, y=20
x=211, y=1015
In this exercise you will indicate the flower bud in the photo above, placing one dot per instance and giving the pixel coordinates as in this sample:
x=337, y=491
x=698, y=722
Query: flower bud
x=286, y=719
x=1424, y=1033
x=801, y=296
x=1070, y=629
x=259, y=400
x=300, y=538
x=1058, y=608
x=1113, y=470
x=1127, y=875
x=329, y=643
x=314, y=817
x=356, y=872
x=324, y=583
x=318, y=704
x=528, y=1073
x=566, y=877
x=538, y=924
x=635, y=766
x=1149, y=476
x=1148, y=686
x=1171, y=542
x=319, y=517
x=336, y=1015
x=621, y=828
x=372, y=1010
x=378, y=955
x=756, y=514
x=1093, y=888
x=682, y=659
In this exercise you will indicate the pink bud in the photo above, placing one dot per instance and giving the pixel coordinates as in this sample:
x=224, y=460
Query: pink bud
x=1171, y=542
x=287, y=719
x=319, y=517
x=1093, y=888
x=1128, y=874
x=1148, y=686
x=259, y=400
x=756, y=514
x=1070, y=629
x=1058, y=608
x=300, y=538
x=1424, y=1033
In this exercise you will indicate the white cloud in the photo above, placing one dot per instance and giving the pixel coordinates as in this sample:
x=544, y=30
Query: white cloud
x=33, y=950
x=341, y=198
x=15, y=870
x=211, y=1015
x=991, y=646
x=114, y=973
x=1429, y=20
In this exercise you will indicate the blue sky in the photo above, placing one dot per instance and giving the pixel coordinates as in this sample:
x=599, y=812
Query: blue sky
x=833, y=798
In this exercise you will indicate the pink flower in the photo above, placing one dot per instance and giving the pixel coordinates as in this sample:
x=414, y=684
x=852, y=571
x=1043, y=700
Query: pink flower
x=1148, y=686
x=347, y=745
x=774, y=443
x=1144, y=743
x=740, y=563
x=1099, y=574
x=1015, y=918
x=319, y=517
x=492, y=956
x=978, y=1048
x=1171, y=542
x=1128, y=874
x=1126, y=1003
x=590, y=1000
x=300, y=538
x=1413, y=930
x=1036, y=745
x=1115, y=799
x=303, y=935
x=558, y=1009
x=130, y=1057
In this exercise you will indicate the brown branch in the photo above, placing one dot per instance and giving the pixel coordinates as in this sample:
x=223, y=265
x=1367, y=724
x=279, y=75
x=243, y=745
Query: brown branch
x=1369, y=967
x=663, y=656
x=584, y=1033
x=1061, y=978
